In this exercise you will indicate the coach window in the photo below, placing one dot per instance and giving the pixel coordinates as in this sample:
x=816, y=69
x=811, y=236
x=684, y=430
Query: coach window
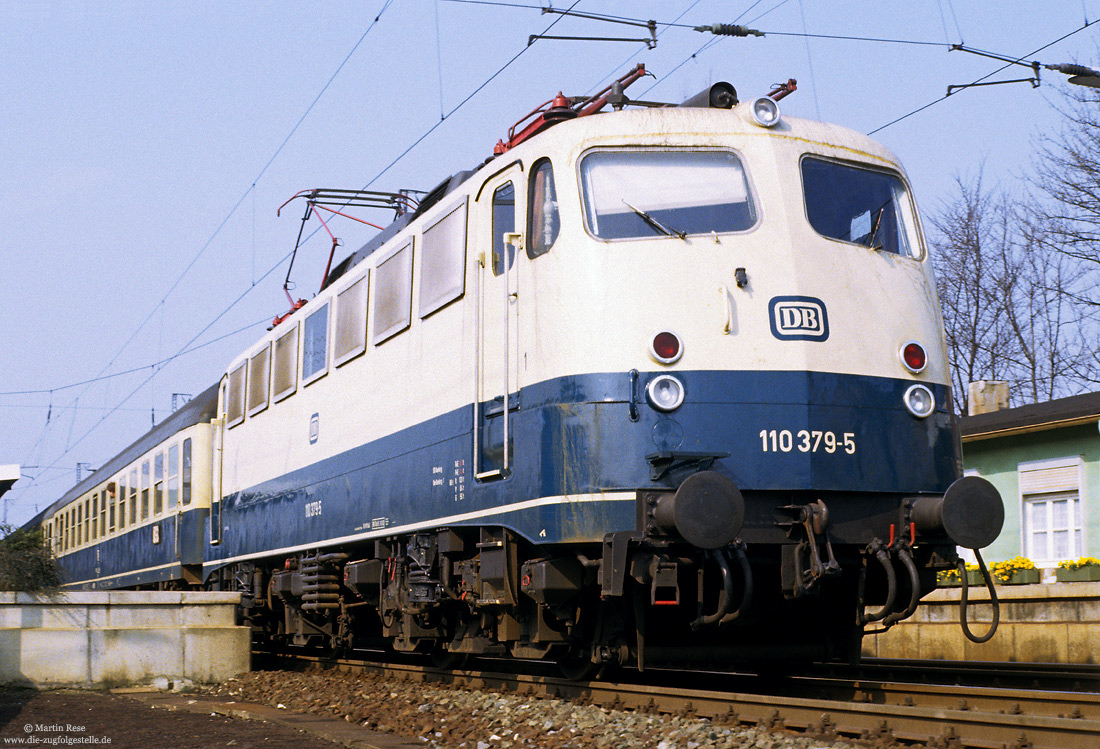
x=95, y=516
x=103, y=514
x=350, y=335
x=173, y=476
x=187, y=471
x=504, y=222
x=859, y=205
x=122, y=516
x=443, y=261
x=85, y=535
x=393, y=294
x=315, y=346
x=641, y=194
x=234, y=398
x=158, y=484
x=145, y=490
x=285, y=364
x=112, y=499
x=259, y=376
x=133, y=497
x=543, y=223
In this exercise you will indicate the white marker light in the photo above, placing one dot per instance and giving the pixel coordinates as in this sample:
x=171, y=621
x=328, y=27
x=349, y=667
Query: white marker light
x=919, y=400
x=665, y=393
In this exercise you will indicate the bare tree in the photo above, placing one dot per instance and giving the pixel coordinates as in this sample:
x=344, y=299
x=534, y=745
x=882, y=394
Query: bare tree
x=1066, y=176
x=969, y=240
x=1010, y=298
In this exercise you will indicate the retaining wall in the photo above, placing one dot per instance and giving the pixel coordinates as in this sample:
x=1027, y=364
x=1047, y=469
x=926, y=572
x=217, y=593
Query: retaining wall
x=109, y=639
x=1040, y=623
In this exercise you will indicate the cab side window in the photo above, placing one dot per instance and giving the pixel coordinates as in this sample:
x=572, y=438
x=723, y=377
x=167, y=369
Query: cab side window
x=543, y=223
x=504, y=221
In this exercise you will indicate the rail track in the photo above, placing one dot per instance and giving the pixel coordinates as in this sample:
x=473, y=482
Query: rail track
x=876, y=712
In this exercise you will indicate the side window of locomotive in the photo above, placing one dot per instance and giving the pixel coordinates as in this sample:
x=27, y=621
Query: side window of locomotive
x=259, y=375
x=504, y=221
x=393, y=294
x=315, y=346
x=633, y=194
x=350, y=336
x=443, y=261
x=543, y=223
x=285, y=364
x=859, y=205
x=234, y=400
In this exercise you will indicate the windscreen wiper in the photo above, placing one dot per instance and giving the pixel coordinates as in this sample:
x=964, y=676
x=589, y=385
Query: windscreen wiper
x=655, y=224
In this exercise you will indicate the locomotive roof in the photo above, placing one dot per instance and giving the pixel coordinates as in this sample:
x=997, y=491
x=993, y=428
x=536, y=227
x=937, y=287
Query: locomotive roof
x=651, y=121
x=203, y=407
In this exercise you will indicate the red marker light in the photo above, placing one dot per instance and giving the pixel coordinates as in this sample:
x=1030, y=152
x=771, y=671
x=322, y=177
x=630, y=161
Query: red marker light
x=914, y=357
x=666, y=347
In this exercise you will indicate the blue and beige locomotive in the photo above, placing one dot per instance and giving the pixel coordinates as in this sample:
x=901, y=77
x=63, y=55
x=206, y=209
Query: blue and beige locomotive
x=652, y=385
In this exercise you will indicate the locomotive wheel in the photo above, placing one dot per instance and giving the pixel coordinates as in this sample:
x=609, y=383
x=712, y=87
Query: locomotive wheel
x=577, y=665
x=447, y=660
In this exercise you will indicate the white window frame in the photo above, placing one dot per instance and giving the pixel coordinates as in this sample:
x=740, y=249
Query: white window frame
x=399, y=325
x=1074, y=461
x=325, y=308
x=232, y=394
x=439, y=254
x=253, y=372
x=343, y=298
x=288, y=391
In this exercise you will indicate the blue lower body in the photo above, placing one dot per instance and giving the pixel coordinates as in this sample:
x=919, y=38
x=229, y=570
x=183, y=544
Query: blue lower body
x=141, y=556
x=594, y=436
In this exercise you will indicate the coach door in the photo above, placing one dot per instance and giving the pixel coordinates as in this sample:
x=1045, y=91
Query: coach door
x=497, y=373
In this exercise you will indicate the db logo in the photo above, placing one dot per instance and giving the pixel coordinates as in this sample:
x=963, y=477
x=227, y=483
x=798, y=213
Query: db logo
x=798, y=318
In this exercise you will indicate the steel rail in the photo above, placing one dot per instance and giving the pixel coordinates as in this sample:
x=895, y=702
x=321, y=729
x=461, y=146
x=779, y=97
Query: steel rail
x=948, y=716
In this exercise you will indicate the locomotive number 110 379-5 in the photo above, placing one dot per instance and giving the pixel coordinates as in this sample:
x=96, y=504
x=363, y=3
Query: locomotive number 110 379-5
x=806, y=441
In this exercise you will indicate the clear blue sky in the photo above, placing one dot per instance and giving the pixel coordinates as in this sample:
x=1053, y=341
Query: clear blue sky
x=146, y=146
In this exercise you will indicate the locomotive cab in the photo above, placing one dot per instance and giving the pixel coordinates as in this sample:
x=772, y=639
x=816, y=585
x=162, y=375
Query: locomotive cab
x=740, y=325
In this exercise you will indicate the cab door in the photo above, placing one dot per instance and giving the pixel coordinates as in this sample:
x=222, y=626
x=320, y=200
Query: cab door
x=497, y=340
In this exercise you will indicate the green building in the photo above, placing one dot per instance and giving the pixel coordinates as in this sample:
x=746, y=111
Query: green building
x=1045, y=461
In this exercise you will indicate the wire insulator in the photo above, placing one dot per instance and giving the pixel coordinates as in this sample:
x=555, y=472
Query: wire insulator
x=1071, y=69
x=729, y=29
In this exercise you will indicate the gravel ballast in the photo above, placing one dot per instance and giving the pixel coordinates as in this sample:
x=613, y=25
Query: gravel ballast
x=450, y=717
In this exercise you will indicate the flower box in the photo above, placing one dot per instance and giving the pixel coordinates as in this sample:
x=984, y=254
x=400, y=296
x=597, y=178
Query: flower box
x=1023, y=577
x=1088, y=573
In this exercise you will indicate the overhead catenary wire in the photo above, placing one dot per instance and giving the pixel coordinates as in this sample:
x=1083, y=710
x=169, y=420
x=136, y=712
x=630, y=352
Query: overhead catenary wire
x=217, y=231
x=979, y=80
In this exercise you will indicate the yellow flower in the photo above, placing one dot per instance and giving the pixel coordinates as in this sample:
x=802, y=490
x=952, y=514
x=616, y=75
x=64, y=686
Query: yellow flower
x=1068, y=564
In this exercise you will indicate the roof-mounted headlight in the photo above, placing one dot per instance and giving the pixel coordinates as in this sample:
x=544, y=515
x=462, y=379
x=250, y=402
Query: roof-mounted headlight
x=765, y=112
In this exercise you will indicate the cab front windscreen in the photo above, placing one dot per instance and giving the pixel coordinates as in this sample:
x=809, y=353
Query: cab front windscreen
x=859, y=205
x=639, y=193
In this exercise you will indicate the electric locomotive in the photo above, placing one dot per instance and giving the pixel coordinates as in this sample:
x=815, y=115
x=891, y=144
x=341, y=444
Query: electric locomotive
x=652, y=385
